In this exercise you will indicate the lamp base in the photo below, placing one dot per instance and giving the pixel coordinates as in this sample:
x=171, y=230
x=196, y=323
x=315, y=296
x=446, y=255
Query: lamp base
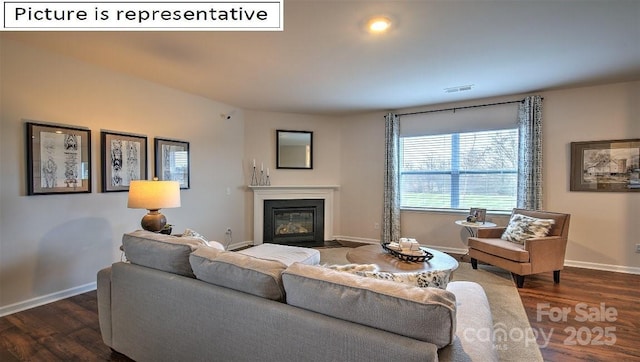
x=153, y=221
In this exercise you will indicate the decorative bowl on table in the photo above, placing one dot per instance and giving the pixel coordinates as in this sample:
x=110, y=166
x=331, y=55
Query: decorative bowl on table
x=413, y=257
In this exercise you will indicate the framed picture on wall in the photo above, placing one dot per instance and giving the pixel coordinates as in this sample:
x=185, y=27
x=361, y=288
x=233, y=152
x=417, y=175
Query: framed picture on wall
x=172, y=161
x=58, y=159
x=602, y=166
x=124, y=158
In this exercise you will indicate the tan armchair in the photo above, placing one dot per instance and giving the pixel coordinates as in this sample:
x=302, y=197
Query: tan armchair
x=536, y=255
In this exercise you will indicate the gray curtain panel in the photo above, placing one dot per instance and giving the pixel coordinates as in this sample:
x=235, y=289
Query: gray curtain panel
x=530, y=153
x=391, y=211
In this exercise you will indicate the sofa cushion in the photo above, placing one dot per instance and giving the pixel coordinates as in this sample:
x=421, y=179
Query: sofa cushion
x=239, y=272
x=426, y=314
x=502, y=248
x=523, y=227
x=159, y=251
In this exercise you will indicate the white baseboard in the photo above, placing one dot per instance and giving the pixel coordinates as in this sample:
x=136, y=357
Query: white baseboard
x=445, y=249
x=45, y=299
x=239, y=245
x=356, y=239
x=604, y=267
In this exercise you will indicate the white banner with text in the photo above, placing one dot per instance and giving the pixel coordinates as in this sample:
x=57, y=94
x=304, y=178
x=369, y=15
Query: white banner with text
x=143, y=15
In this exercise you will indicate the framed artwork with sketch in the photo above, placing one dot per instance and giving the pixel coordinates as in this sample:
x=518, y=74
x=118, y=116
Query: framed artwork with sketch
x=58, y=159
x=124, y=159
x=605, y=166
x=172, y=160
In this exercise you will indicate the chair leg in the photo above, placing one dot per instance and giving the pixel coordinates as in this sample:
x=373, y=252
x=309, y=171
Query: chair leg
x=556, y=276
x=474, y=263
x=519, y=279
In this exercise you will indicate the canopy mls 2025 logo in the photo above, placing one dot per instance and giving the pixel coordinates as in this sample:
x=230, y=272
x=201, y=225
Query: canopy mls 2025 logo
x=144, y=16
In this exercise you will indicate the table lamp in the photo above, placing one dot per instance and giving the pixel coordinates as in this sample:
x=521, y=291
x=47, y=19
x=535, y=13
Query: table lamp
x=153, y=196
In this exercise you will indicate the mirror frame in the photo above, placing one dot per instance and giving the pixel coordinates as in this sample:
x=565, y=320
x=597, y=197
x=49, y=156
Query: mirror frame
x=280, y=134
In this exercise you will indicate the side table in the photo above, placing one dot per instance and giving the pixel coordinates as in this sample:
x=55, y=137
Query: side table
x=472, y=227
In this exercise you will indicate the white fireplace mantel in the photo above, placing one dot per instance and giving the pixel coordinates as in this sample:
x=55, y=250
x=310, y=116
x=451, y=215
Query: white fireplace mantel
x=291, y=192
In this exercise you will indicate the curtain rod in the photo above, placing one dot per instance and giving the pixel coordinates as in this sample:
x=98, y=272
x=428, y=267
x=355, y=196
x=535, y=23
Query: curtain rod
x=456, y=108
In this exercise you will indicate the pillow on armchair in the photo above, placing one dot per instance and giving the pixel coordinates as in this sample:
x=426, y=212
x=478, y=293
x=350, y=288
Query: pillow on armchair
x=522, y=227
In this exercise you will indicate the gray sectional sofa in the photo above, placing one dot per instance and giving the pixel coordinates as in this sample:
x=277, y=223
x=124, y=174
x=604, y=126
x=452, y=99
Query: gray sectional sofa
x=176, y=300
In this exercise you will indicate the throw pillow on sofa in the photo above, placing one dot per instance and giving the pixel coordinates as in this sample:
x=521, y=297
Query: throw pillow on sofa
x=159, y=251
x=240, y=272
x=523, y=227
x=196, y=235
x=354, y=268
x=427, y=279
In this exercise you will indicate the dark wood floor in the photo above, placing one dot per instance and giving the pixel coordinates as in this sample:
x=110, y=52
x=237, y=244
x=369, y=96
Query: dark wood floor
x=68, y=330
x=591, y=315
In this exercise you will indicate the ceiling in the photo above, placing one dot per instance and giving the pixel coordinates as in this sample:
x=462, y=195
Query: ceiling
x=324, y=62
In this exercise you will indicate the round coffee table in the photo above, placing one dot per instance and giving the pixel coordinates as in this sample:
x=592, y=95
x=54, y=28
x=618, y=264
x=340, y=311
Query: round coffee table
x=374, y=254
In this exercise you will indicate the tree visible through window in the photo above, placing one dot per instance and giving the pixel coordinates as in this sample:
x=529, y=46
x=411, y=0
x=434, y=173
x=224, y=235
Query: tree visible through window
x=460, y=170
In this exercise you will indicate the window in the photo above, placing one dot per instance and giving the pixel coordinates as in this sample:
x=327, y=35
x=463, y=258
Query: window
x=460, y=170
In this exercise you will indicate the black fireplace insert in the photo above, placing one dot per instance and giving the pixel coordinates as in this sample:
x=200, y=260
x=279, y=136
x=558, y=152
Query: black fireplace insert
x=298, y=222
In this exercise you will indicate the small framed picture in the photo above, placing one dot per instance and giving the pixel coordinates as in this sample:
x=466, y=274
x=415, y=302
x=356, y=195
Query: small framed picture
x=605, y=166
x=58, y=159
x=124, y=158
x=479, y=214
x=172, y=161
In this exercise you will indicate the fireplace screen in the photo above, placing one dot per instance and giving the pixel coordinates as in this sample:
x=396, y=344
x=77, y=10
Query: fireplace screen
x=294, y=222
x=290, y=222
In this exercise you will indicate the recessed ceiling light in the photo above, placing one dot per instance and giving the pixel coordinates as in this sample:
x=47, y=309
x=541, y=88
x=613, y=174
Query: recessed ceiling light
x=378, y=24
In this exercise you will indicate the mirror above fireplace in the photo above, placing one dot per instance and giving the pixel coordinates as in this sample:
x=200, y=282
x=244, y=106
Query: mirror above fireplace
x=294, y=149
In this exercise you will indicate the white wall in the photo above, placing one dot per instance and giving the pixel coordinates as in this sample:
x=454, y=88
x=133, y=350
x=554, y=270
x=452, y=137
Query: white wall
x=50, y=244
x=260, y=144
x=362, y=170
x=604, y=226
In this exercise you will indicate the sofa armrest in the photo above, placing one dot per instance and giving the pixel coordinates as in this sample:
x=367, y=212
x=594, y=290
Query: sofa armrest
x=473, y=316
x=104, y=304
x=491, y=232
x=546, y=253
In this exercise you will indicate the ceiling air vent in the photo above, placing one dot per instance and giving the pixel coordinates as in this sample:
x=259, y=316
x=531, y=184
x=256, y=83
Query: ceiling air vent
x=460, y=88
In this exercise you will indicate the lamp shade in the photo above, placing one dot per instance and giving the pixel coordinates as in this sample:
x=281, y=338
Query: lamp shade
x=153, y=195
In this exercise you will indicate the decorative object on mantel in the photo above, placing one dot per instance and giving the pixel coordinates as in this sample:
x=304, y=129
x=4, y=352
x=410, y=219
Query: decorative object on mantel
x=153, y=196
x=263, y=179
x=254, y=177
